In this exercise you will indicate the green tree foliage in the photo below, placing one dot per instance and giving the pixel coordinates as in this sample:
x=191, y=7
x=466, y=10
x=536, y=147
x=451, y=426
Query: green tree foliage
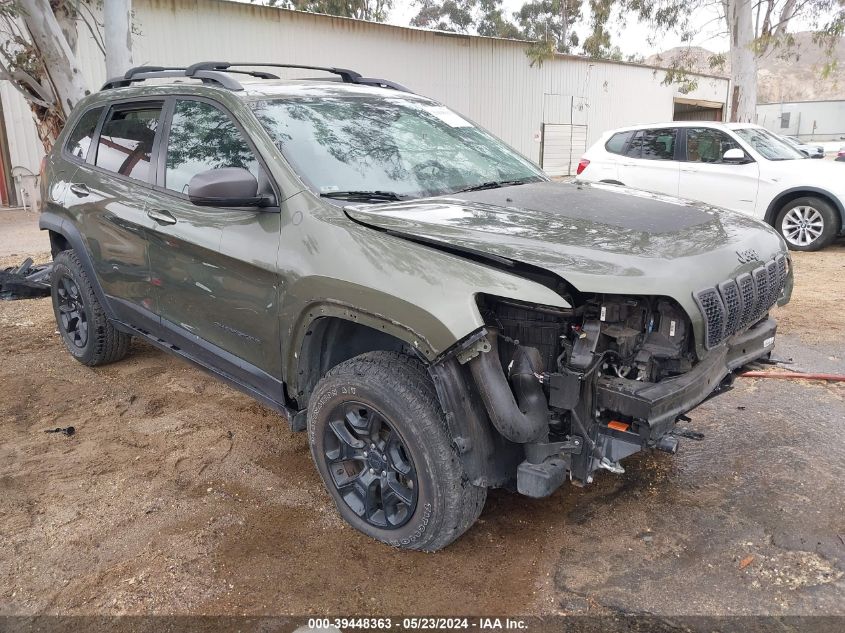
x=548, y=24
x=485, y=17
x=551, y=22
x=372, y=10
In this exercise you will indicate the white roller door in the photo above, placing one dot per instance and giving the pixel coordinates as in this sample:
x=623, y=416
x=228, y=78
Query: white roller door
x=563, y=146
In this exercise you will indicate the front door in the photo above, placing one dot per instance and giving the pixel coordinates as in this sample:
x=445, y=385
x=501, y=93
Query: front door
x=706, y=177
x=214, y=268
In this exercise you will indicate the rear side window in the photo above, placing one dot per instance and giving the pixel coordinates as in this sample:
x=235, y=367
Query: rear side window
x=202, y=137
x=616, y=143
x=126, y=140
x=659, y=144
x=80, y=138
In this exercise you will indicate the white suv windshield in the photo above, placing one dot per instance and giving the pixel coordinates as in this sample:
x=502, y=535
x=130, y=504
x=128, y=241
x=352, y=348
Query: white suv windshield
x=410, y=147
x=768, y=145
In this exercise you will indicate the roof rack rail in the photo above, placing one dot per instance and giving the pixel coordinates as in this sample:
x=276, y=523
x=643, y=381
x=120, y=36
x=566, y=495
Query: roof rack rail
x=141, y=73
x=218, y=73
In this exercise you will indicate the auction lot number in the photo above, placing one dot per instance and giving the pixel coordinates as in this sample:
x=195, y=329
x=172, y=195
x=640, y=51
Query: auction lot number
x=413, y=624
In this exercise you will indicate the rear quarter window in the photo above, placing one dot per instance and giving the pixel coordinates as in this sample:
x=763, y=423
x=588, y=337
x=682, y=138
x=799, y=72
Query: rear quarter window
x=79, y=140
x=616, y=143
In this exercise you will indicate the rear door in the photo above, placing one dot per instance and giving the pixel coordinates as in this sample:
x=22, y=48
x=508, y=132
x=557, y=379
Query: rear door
x=107, y=197
x=706, y=177
x=214, y=268
x=649, y=161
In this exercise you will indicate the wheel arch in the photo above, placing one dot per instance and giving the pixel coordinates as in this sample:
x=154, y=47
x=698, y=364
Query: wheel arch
x=487, y=458
x=65, y=236
x=785, y=197
x=336, y=334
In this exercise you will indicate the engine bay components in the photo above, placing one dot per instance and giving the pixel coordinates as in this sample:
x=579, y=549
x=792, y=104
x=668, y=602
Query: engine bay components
x=612, y=374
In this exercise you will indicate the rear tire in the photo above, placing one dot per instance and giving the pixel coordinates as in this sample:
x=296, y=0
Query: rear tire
x=85, y=330
x=808, y=223
x=381, y=445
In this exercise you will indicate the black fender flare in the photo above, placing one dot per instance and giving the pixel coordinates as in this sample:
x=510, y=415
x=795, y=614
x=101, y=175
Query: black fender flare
x=778, y=202
x=51, y=221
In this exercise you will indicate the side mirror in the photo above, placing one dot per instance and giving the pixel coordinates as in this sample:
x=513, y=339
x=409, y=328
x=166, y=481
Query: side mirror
x=736, y=156
x=225, y=187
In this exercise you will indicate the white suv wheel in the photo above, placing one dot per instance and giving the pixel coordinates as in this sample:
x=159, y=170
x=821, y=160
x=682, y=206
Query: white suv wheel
x=808, y=223
x=802, y=225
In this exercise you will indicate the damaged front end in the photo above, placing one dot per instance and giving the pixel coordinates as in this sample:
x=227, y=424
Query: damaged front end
x=570, y=391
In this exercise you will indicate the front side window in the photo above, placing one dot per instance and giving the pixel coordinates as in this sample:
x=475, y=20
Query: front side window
x=706, y=145
x=79, y=140
x=126, y=140
x=659, y=144
x=203, y=137
x=768, y=145
x=408, y=146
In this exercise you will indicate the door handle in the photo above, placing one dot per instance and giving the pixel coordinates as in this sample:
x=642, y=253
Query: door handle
x=80, y=191
x=628, y=165
x=162, y=217
x=690, y=171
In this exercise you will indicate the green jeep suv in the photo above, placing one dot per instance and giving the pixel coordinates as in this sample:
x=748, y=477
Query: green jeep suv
x=439, y=315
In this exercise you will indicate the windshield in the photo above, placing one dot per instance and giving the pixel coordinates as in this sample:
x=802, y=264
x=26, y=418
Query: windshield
x=411, y=147
x=768, y=145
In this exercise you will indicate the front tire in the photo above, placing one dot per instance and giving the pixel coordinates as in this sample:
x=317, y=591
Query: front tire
x=807, y=224
x=379, y=439
x=85, y=330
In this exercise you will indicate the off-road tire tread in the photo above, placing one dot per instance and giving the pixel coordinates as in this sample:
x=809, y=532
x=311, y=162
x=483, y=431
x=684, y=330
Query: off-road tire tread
x=110, y=344
x=409, y=380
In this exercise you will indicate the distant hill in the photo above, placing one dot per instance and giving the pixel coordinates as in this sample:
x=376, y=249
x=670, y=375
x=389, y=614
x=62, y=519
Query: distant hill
x=797, y=78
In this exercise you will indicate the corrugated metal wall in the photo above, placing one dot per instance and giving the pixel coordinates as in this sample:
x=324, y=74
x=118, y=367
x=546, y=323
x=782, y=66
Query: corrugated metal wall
x=488, y=80
x=809, y=120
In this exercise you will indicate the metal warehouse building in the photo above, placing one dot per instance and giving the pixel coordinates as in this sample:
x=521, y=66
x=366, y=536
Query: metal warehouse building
x=808, y=120
x=550, y=113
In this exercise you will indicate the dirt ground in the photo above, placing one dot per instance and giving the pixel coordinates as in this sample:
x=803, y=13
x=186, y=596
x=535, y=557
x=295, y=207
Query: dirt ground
x=178, y=495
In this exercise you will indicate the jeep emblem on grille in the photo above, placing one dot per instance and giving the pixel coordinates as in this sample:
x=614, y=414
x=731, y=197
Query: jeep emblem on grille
x=747, y=256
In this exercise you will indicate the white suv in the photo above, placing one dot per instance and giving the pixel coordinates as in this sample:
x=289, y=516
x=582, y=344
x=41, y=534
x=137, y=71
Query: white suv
x=737, y=166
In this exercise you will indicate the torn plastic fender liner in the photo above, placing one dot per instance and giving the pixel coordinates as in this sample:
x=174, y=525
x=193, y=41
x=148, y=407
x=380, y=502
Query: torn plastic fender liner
x=488, y=459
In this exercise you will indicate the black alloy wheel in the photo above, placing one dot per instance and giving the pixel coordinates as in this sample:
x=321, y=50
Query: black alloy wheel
x=85, y=330
x=73, y=319
x=370, y=466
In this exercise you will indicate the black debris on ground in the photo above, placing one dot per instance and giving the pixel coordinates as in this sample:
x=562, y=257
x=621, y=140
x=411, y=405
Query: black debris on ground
x=25, y=281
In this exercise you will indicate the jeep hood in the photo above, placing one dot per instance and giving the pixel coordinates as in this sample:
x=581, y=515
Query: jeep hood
x=599, y=238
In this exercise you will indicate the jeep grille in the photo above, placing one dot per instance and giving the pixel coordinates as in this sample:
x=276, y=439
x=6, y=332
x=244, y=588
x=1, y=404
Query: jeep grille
x=735, y=304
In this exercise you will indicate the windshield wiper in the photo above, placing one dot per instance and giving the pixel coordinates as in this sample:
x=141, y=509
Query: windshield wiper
x=497, y=184
x=364, y=196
